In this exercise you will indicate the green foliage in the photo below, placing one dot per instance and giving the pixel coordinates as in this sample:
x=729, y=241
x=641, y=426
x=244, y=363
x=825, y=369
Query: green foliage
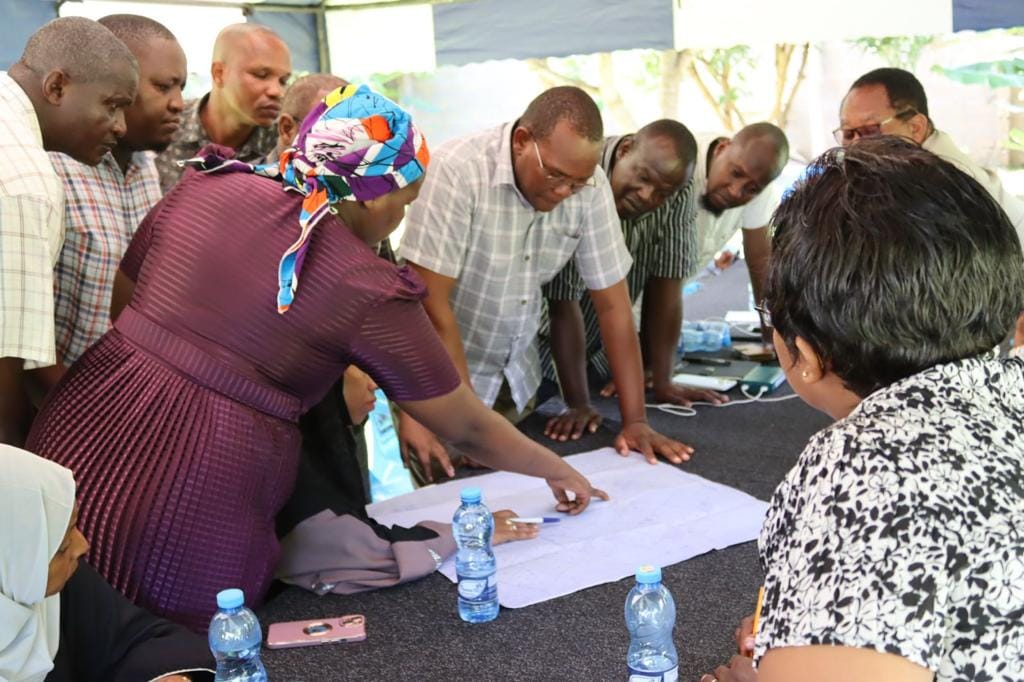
x=1006, y=73
x=899, y=51
x=1016, y=141
x=649, y=77
x=729, y=66
x=387, y=84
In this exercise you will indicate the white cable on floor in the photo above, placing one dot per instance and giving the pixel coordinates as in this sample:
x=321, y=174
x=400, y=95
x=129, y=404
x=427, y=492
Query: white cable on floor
x=680, y=411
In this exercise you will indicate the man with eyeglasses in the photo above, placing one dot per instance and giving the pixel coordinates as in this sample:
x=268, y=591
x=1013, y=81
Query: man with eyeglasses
x=650, y=173
x=892, y=101
x=499, y=214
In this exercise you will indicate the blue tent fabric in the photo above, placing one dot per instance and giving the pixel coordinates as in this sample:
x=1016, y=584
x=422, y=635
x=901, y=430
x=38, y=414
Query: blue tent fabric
x=298, y=30
x=479, y=30
x=466, y=32
x=21, y=19
x=981, y=15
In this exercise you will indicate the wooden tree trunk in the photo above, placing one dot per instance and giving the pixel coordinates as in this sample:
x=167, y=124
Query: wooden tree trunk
x=611, y=96
x=801, y=72
x=674, y=66
x=720, y=109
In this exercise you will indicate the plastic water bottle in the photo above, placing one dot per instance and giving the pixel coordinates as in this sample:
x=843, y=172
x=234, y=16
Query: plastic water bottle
x=235, y=639
x=704, y=336
x=473, y=527
x=691, y=288
x=650, y=618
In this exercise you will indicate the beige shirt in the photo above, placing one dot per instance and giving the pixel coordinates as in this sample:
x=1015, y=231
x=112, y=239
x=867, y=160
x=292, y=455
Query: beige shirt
x=941, y=144
x=31, y=231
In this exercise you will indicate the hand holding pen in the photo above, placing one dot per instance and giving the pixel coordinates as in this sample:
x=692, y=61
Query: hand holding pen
x=747, y=631
x=506, y=530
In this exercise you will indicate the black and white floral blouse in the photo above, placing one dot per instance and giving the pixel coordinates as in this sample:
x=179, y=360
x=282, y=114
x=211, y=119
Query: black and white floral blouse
x=901, y=527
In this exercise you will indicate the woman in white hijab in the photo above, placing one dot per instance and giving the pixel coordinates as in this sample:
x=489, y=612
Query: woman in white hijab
x=44, y=594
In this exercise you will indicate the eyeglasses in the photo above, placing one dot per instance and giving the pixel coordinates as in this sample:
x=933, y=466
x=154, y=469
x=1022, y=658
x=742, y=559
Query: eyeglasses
x=557, y=179
x=848, y=135
x=765, y=315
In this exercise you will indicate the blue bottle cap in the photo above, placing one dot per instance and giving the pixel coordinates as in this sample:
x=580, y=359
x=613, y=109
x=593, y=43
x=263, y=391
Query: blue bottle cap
x=647, y=574
x=230, y=599
x=470, y=495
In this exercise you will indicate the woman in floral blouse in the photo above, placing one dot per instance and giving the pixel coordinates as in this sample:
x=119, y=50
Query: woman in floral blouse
x=894, y=549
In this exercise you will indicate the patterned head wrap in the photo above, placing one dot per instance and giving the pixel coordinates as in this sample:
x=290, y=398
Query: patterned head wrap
x=355, y=145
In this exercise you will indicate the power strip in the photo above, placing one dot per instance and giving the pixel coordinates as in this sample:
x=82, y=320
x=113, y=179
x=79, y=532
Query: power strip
x=764, y=379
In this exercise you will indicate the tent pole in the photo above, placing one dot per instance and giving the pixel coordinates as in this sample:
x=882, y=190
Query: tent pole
x=323, y=47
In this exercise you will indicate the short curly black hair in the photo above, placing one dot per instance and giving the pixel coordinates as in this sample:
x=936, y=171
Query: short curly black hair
x=564, y=102
x=888, y=260
x=902, y=87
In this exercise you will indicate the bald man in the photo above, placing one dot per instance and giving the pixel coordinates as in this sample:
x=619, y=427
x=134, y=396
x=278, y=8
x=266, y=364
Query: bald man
x=66, y=93
x=298, y=101
x=251, y=67
x=733, y=179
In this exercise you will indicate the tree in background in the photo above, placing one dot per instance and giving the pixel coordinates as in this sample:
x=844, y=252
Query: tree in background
x=720, y=75
x=1005, y=73
x=570, y=71
x=900, y=51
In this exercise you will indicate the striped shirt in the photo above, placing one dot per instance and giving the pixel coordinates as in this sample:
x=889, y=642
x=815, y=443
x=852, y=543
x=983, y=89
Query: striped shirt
x=192, y=137
x=31, y=231
x=663, y=243
x=472, y=224
x=104, y=207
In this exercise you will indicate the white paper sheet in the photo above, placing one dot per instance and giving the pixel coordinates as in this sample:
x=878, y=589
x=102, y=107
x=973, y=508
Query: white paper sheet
x=656, y=515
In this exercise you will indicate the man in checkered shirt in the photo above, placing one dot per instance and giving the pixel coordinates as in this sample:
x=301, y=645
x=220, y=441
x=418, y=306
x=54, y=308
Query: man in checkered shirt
x=67, y=92
x=500, y=213
x=104, y=204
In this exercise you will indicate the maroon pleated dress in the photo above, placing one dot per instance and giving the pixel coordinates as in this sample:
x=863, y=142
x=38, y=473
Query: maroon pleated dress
x=180, y=423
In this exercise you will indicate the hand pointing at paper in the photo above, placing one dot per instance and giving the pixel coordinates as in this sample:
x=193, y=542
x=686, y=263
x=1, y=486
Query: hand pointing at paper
x=461, y=419
x=576, y=483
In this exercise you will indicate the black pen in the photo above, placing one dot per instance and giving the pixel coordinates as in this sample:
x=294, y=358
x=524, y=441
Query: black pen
x=721, y=362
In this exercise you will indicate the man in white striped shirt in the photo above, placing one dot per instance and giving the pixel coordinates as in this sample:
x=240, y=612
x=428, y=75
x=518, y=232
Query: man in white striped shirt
x=651, y=175
x=500, y=213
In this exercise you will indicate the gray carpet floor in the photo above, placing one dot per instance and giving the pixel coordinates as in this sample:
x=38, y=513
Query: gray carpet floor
x=414, y=632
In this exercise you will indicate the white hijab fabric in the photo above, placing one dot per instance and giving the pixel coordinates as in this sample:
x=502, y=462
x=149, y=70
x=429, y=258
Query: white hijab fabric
x=36, y=501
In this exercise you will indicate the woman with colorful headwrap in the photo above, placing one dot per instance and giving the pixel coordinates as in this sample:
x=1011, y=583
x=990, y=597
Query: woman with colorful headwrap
x=180, y=423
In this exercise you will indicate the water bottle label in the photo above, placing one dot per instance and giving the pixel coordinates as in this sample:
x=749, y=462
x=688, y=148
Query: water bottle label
x=477, y=589
x=647, y=676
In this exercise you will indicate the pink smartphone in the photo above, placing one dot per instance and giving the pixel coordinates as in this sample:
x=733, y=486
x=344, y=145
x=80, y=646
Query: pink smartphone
x=311, y=632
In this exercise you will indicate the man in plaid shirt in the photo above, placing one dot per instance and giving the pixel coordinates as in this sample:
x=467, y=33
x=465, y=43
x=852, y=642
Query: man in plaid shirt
x=67, y=92
x=500, y=213
x=104, y=204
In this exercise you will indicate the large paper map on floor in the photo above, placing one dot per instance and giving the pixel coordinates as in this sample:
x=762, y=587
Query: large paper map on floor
x=657, y=515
